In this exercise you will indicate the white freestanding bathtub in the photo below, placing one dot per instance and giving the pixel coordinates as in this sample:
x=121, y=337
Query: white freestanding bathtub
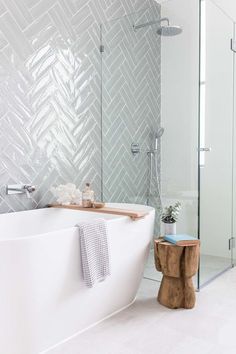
x=43, y=298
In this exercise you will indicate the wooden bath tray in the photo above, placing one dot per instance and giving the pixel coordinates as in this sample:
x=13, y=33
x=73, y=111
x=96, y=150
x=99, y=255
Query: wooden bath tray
x=134, y=215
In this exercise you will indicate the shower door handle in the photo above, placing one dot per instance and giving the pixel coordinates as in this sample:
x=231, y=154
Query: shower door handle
x=205, y=149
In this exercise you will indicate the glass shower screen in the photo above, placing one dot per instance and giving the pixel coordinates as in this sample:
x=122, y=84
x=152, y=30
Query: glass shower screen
x=131, y=109
x=217, y=141
x=148, y=82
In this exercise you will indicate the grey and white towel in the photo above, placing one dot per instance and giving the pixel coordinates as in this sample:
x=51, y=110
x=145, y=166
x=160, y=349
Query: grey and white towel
x=94, y=251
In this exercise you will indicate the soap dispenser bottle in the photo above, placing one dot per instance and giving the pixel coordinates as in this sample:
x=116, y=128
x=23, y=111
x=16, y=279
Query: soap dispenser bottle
x=87, y=196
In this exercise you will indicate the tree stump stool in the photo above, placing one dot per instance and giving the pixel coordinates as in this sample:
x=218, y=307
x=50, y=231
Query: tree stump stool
x=178, y=265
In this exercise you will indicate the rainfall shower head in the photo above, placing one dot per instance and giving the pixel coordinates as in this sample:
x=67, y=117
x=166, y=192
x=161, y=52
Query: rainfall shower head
x=166, y=30
x=169, y=31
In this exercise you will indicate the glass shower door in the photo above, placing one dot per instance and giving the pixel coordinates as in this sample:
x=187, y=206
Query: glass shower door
x=216, y=141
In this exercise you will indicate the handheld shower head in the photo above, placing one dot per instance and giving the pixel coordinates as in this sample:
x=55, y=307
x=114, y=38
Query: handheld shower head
x=158, y=135
x=160, y=132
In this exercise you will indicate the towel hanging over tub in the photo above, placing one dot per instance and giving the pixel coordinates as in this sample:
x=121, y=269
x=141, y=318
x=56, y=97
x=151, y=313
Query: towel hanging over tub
x=94, y=251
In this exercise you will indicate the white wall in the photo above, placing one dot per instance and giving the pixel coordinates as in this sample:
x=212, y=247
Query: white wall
x=180, y=77
x=229, y=6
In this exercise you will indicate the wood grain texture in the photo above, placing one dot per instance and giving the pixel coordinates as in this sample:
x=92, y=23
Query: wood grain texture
x=178, y=265
x=134, y=215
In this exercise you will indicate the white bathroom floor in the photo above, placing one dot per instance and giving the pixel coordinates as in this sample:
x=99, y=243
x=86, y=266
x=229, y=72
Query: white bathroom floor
x=148, y=327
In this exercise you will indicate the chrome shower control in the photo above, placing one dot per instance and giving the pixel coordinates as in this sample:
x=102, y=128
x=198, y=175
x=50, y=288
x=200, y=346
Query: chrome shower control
x=135, y=149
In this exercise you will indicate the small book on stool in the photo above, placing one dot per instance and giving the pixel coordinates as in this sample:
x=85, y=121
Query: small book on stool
x=181, y=240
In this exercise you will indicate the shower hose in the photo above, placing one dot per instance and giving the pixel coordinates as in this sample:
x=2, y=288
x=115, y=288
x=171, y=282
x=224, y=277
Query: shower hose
x=153, y=176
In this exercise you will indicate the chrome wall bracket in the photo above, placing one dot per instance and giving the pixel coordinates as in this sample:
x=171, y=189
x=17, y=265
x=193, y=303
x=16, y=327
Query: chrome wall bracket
x=231, y=243
x=205, y=149
x=233, y=45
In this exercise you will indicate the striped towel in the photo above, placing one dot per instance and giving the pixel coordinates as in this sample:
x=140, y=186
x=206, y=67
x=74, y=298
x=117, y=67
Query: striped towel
x=94, y=251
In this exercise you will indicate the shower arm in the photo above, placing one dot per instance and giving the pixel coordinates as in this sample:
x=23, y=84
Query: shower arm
x=136, y=27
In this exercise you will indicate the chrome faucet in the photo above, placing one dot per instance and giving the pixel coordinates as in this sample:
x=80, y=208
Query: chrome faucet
x=20, y=189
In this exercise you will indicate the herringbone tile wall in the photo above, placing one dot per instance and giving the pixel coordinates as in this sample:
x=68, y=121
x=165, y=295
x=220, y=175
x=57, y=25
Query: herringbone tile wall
x=131, y=105
x=50, y=122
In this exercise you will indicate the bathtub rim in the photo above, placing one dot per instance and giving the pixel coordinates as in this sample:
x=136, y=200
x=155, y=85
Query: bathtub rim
x=113, y=218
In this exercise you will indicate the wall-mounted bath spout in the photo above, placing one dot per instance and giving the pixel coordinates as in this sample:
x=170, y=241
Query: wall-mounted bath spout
x=20, y=189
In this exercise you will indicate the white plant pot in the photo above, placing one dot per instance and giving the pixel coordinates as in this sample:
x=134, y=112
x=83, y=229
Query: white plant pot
x=170, y=229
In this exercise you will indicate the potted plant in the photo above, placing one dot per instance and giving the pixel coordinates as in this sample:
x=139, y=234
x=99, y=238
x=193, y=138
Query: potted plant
x=169, y=217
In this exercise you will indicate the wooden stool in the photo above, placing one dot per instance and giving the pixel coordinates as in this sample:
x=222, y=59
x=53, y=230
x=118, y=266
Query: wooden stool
x=178, y=265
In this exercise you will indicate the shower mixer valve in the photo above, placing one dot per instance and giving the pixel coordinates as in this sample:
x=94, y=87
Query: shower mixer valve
x=135, y=149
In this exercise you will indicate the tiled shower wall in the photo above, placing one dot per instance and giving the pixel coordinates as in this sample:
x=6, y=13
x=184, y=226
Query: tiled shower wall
x=50, y=120
x=131, y=106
